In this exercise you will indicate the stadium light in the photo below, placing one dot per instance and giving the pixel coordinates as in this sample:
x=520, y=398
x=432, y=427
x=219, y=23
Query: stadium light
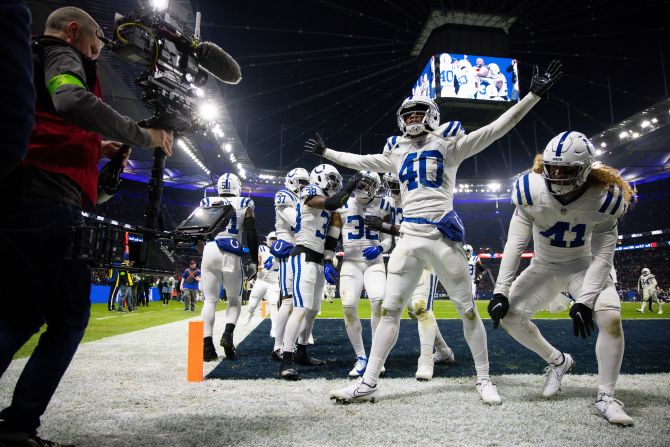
x=603, y=144
x=208, y=111
x=228, y=147
x=623, y=135
x=654, y=120
x=645, y=124
x=636, y=134
x=598, y=152
x=160, y=5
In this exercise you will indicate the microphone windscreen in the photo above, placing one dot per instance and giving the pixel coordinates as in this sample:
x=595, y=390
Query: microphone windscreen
x=218, y=63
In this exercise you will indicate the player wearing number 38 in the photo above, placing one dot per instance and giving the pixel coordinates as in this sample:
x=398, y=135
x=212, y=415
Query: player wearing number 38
x=569, y=204
x=426, y=158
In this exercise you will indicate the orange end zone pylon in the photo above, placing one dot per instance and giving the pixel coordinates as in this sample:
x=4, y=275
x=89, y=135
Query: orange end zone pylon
x=264, y=309
x=196, y=332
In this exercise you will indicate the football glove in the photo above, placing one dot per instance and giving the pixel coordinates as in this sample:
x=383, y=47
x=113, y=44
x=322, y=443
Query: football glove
x=252, y=269
x=371, y=253
x=268, y=263
x=340, y=198
x=541, y=83
x=315, y=145
x=330, y=272
x=373, y=222
x=582, y=320
x=498, y=307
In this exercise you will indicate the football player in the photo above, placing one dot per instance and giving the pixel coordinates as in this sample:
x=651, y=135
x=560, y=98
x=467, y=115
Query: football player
x=569, y=206
x=646, y=287
x=363, y=265
x=312, y=261
x=447, y=89
x=475, y=268
x=330, y=289
x=222, y=263
x=267, y=282
x=286, y=201
x=426, y=159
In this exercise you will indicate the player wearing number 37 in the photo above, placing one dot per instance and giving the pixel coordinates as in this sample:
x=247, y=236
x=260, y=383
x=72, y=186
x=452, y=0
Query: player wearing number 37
x=569, y=204
x=426, y=158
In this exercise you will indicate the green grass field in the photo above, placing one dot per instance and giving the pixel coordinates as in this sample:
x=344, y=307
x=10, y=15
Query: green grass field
x=106, y=324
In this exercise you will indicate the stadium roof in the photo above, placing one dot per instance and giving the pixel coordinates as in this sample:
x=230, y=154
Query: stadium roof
x=342, y=68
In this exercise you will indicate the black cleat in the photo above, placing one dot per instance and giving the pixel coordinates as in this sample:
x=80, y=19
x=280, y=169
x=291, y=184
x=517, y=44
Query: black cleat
x=287, y=370
x=277, y=355
x=209, y=352
x=290, y=374
x=228, y=346
x=301, y=357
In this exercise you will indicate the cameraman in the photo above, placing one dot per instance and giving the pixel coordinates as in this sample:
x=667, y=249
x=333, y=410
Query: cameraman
x=42, y=200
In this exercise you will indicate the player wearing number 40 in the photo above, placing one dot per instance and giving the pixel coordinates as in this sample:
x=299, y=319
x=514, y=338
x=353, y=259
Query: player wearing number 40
x=569, y=205
x=426, y=158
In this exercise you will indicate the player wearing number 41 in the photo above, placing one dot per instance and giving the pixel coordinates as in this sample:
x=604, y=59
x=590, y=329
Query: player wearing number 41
x=569, y=205
x=311, y=261
x=267, y=283
x=222, y=263
x=363, y=265
x=426, y=159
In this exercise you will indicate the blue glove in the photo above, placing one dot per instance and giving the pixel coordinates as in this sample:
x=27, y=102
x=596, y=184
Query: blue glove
x=330, y=272
x=268, y=263
x=371, y=253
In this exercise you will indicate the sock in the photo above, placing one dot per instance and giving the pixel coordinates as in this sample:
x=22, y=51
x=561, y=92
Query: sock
x=475, y=336
x=234, y=309
x=207, y=315
x=525, y=332
x=287, y=360
x=440, y=343
x=230, y=328
x=375, y=314
x=383, y=341
x=609, y=349
x=292, y=327
x=352, y=323
x=427, y=329
x=282, y=318
x=253, y=303
x=307, y=326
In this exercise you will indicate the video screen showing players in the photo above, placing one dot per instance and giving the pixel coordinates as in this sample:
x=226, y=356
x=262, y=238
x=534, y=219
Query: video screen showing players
x=450, y=75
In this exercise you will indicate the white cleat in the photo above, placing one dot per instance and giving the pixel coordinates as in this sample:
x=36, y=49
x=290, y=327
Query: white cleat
x=612, y=410
x=359, y=367
x=356, y=392
x=660, y=312
x=444, y=357
x=552, y=383
x=424, y=370
x=488, y=392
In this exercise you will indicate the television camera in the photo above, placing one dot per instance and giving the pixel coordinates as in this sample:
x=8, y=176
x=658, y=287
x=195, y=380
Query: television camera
x=175, y=66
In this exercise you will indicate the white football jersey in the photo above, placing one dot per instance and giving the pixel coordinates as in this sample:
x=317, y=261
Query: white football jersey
x=448, y=90
x=472, y=267
x=270, y=275
x=311, y=226
x=234, y=228
x=427, y=165
x=355, y=237
x=562, y=233
x=395, y=204
x=647, y=282
x=284, y=198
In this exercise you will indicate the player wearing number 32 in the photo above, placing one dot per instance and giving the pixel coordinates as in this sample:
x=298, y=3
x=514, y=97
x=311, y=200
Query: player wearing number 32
x=426, y=158
x=569, y=204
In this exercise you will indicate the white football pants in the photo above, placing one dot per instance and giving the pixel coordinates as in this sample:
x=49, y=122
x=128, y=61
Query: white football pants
x=220, y=267
x=269, y=291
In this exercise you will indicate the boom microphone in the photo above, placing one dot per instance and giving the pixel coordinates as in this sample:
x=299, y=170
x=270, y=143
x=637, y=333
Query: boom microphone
x=218, y=63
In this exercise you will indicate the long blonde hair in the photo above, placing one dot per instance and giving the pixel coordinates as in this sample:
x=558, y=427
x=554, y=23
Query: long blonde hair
x=601, y=176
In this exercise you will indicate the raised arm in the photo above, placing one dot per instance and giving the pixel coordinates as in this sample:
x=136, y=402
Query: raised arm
x=372, y=162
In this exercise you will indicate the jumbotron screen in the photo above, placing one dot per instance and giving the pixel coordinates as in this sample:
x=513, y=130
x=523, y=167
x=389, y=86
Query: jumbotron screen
x=469, y=76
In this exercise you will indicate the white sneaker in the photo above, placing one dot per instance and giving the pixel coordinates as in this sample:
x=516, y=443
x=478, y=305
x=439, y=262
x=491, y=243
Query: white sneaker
x=359, y=367
x=356, y=392
x=552, y=383
x=444, y=357
x=488, y=392
x=247, y=318
x=424, y=370
x=660, y=312
x=612, y=410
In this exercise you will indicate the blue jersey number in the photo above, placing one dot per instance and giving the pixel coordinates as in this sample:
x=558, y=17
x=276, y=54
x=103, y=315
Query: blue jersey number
x=232, y=229
x=558, y=232
x=298, y=218
x=447, y=76
x=326, y=217
x=408, y=172
x=359, y=226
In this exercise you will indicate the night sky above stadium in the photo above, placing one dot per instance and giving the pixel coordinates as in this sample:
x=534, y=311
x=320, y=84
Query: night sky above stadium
x=343, y=68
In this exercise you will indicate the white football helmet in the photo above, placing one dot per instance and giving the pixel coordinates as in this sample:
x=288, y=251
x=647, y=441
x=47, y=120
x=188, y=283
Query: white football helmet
x=296, y=179
x=327, y=178
x=567, y=161
x=445, y=61
x=468, y=250
x=392, y=183
x=229, y=184
x=270, y=238
x=367, y=186
x=646, y=272
x=494, y=69
x=421, y=105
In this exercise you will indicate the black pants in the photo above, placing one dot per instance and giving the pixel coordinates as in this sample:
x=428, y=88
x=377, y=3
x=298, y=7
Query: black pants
x=33, y=235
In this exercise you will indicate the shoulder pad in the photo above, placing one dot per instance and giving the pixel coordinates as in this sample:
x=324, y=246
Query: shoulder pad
x=611, y=202
x=214, y=201
x=526, y=189
x=450, y=129
x=246, y=202
x=391, y=143
x=310, y=191
x=284, y=197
